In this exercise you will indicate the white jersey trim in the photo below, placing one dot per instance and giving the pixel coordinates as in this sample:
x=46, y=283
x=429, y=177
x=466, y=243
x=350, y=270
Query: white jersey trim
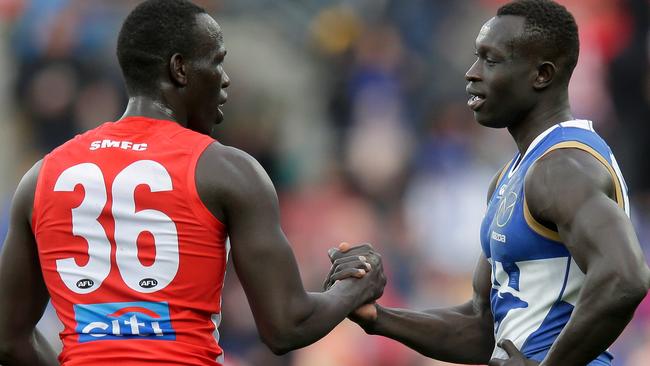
x=577, y=123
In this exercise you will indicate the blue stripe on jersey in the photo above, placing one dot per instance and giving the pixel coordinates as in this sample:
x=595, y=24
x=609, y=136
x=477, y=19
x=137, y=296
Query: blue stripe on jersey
x=604, y=359
x=551, y=327
x=535, y=282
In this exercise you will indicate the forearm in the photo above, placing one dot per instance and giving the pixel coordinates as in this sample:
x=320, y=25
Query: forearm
x=315, y=316
x=28, y=351
x=457, y=334
x=605, y=306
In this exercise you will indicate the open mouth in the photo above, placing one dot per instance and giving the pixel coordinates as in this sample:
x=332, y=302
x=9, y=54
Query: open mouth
x=475, y=101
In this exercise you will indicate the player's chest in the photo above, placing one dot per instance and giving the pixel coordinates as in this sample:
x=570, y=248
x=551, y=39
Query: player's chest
x=503, y=231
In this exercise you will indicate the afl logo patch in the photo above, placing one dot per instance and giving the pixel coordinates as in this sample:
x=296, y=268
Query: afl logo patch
x=506, y=207
x=85, y=283
x=148, y=283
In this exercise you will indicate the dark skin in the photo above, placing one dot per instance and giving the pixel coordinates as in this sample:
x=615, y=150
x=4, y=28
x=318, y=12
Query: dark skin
x=242, y=196
x=23, y=301
x=459, y=334
x=567, y=189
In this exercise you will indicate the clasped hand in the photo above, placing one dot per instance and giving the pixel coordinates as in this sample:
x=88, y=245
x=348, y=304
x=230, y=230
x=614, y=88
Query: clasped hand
x=348, y=261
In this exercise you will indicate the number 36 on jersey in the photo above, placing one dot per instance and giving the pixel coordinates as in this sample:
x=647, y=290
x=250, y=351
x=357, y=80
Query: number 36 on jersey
x=129, y=224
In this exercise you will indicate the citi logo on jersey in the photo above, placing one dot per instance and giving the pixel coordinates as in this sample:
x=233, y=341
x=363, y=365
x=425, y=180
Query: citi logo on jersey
x=124, y=321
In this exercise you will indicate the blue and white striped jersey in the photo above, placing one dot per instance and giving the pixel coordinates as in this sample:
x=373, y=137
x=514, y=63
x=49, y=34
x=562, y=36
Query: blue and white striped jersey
x=535, y=281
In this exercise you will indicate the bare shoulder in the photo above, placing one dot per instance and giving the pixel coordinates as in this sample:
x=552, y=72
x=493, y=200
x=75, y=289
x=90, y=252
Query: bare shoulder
x=226, y=167
x=564, y=178
x=23, y=201
x=226, y=176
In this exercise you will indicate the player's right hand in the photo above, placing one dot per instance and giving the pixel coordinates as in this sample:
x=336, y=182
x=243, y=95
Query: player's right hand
x=358, y=261
x=345, y=266
x=348, y=261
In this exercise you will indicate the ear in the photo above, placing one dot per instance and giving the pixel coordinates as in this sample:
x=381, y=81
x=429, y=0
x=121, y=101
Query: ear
x=546, y=72
x=177, y=70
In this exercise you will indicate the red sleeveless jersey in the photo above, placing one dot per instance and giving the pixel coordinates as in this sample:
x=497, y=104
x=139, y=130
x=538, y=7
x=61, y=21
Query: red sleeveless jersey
x=133, y=260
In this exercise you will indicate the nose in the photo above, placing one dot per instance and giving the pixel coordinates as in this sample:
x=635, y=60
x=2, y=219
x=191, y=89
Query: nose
x=225, y=81
x=472, y=74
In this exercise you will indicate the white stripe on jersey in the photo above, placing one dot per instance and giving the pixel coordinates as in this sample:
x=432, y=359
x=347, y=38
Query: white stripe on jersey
x=540, y=285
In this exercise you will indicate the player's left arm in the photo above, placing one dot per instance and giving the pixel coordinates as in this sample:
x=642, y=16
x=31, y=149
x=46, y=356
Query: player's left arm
x=571, y=189
x=23, y=295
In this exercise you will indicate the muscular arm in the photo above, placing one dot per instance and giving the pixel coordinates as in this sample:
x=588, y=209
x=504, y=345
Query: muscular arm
x=460, y=334
x=571, y=189
x=23, y=295
x=236, y=188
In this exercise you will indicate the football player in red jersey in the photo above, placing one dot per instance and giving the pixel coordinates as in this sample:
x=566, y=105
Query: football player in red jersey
x=125, y=227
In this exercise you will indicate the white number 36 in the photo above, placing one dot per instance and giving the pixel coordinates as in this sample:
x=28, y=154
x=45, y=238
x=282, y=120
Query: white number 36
x=129, y=224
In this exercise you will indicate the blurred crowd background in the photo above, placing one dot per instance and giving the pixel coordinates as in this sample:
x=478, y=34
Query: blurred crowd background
x=357, y=110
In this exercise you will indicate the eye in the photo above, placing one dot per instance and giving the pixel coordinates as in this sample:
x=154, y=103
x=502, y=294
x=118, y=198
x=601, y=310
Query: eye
x=489, y=61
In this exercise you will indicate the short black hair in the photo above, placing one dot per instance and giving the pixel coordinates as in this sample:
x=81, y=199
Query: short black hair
x=549, y=25
x=150, y=35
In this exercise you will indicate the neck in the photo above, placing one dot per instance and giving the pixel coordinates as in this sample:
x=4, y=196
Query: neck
x=540, y=119
x=149, y=107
